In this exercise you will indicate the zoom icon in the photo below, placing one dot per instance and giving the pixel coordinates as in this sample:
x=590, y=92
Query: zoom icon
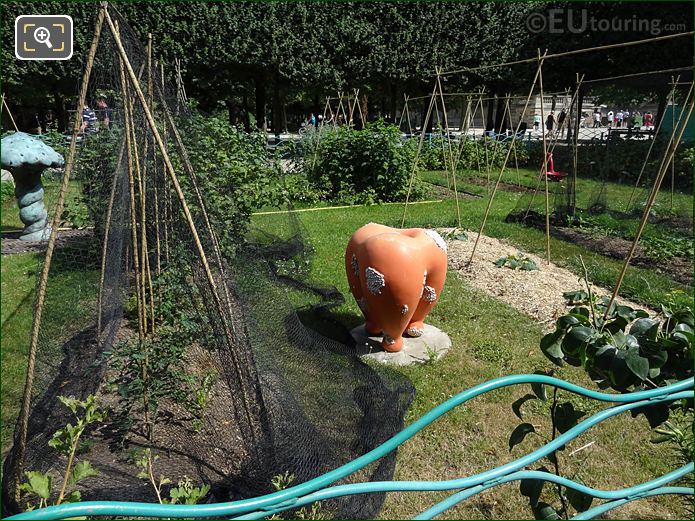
x=43, y=37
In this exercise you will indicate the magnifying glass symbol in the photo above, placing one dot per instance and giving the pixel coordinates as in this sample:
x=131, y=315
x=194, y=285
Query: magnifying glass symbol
x=42, y=35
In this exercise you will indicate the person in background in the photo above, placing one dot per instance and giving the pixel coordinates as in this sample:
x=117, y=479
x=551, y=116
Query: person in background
x=89, y=120
x=648, y=120
x=104, y=112
x=609, y=116
x=550, y=122
x=536, y=121
x=561, y=119
x=619, y=119
x=626, y=116
x=597, y=118
x=312, y=120
x=637, y=120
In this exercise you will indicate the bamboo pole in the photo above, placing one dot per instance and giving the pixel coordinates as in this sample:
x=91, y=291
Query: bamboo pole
x=504, y=164
x=194, y=182
x=417, y=153
x=640, y=74
x=104, y=248
x=668, y=156
x=7, y=108
x=451, y=153
x=649, y=151
x=145, y=277
x=167, y=194
x=440, y=129
x=186, y=211
x=487, y=159
x=673, y=123
x=544, y=168
x=43, y=278
x=155, y=194
x=406, y=108
x=130, y=146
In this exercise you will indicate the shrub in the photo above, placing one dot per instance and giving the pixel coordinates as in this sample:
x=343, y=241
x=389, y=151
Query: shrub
x=363, y=166
x=234, y=171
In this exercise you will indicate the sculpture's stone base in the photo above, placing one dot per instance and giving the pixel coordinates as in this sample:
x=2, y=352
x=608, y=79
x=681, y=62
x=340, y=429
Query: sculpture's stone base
x=39, y=235
x=431, y=346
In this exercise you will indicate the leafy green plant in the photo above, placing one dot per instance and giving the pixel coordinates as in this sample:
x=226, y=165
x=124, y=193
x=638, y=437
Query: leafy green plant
x=315, y=512
x=517, y=262
x=363, y=166
x=664, y=248
x=621, y=347
x=184, y=493
x=235, y=173
x=76, y=214
x=67, y=442
x=456, y=235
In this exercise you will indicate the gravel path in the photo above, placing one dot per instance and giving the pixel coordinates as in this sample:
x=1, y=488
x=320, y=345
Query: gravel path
x=12, y=245
x=535, y=293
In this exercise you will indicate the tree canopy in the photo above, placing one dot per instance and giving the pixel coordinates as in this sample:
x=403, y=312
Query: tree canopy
x=306, y=50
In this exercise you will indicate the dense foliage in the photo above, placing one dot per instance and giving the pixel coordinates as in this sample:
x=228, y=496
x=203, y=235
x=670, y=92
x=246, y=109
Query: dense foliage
x=233, y=170
x=472, y=154
x=622, y=348
x=294, y=52
x=363, y=166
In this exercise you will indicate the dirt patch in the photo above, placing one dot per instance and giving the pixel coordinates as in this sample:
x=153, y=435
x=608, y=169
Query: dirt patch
x=507, y=187
x=679, y=269
x=442, y=192
x=535, y=293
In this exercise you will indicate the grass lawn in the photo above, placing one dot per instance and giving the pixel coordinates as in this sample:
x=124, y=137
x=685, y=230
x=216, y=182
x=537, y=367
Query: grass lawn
x=588, y=189
x=641, y=285
x=10, y=212
x=489, y=340
x=69, y=294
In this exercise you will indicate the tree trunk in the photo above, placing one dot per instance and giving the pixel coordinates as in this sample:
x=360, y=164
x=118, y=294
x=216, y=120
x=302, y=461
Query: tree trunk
x=364, y=102
x=230, y=111
x=61, y=113
x=277, y=106
x=247, y=120
x=425, y=106
x=259, y=82
x=394, y=94
x=500, y=115
x=489, y=124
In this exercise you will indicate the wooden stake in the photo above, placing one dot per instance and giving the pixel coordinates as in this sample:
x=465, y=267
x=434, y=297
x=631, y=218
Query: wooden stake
x=544, y=168
x=451, y=153
x=504, y=165
x=130, y=145
x=419, y=150
x=43, y=278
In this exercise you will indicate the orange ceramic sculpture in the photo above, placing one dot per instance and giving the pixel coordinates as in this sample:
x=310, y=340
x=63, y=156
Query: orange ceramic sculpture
x=396, y=276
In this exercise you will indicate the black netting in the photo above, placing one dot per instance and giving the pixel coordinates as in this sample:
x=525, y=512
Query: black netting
x=174, y=320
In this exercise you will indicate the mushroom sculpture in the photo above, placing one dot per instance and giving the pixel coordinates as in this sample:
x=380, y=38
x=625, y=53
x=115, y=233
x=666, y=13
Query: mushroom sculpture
x=396, y=276
x=26, y=157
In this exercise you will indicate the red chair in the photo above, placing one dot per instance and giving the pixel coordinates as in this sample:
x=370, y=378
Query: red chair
x=550, y=170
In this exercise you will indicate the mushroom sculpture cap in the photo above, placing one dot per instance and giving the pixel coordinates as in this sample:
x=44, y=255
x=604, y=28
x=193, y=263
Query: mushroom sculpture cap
x=21, y=150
